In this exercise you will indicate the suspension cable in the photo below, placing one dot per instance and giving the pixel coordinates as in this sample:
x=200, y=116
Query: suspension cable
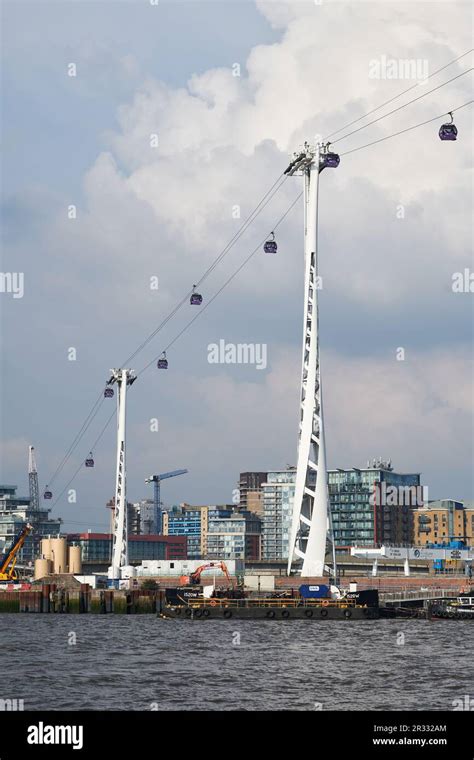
x=226, y=283
x=417, y=84
x=443, y=84
x=408, y=129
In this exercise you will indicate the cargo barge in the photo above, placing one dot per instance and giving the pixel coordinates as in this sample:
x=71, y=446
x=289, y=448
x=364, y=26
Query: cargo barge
x=461, y=608
x=305, y=603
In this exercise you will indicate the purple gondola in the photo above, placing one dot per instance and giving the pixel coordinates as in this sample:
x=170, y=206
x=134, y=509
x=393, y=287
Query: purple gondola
x=47, y=494
x=162, y=362
x=196, y=298
x=448, y=131
x=330, y=160
x=270, y=245
x=90, y=460
x=109, y=393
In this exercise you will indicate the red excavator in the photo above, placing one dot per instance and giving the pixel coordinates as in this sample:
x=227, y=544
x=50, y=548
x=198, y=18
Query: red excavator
x=195, y=577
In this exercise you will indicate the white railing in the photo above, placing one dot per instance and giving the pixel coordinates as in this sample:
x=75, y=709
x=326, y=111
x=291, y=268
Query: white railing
x=407, y=594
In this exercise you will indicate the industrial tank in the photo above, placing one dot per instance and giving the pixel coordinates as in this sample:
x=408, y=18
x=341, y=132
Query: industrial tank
x=59, y=554
x=43, y=568
x=46, y=548
x=75, y=560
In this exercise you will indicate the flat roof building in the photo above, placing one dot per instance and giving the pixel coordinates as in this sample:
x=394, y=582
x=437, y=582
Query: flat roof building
x=236, y=536
x=442, y=521
x=220, y=531
x=373, y=505
x=278, y=496
x=191, y=522
x=96, y=548
x=369, y=506
x=15, y=512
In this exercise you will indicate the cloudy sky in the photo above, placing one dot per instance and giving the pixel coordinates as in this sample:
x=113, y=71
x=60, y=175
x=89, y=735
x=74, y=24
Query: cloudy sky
x=230, y=89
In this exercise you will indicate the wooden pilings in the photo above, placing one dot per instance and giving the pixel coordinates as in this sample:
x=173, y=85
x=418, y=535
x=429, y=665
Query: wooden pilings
x=49, y=598
x=30, y=601
x=10, y=601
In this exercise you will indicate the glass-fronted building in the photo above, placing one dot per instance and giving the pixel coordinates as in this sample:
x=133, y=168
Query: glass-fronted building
x=226, y=538
x=235, y=536
x=15, y=512
x=97, y=547
x=215, y=532
x=189, y=522
x=373, y=506
x=278, y=495
x=369, y=507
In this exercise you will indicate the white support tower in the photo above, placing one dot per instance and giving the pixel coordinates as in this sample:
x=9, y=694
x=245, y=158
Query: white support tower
x=123, y=378
x=311, y=502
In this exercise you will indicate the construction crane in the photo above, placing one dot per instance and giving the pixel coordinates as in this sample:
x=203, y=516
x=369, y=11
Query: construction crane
x=156, y=480
x=33, y=480
x=195, y=577
x=8, y=561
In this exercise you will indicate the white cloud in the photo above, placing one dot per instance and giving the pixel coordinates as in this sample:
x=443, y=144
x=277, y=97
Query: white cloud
x=209, y=133
x=222, y=142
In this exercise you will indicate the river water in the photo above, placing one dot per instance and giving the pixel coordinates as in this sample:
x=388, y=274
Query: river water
x=140, y=662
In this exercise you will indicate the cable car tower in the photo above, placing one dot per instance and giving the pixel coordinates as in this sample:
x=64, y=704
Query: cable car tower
x=311, y=503
x=123, y=378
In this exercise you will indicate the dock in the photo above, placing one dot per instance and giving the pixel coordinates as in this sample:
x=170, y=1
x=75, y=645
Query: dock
x=50, y=599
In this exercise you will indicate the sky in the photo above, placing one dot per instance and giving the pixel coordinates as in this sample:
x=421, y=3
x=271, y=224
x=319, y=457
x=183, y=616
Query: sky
x=180, y=117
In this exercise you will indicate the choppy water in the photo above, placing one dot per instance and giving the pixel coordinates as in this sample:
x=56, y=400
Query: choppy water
x=142, y=663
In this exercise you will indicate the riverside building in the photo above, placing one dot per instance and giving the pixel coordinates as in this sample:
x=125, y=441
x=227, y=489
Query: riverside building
x=442, y=521
x=15, y=512
x=373, y=505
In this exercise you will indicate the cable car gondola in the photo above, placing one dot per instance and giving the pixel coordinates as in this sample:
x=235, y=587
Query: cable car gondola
x=330, y=160
x=47, y=494
x=162, y=362
x=196, y=298
x=270, y=245
x=109, y=393
x=448, y=131
x=89, y=461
